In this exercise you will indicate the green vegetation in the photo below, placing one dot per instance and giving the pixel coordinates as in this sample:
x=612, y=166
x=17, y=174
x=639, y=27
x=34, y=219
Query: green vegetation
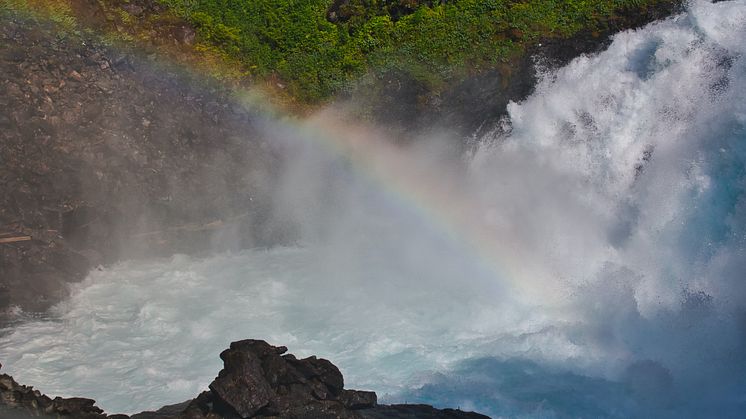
x=317, y=47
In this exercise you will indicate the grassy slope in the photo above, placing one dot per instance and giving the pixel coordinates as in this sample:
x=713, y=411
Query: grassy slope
x=433, y=42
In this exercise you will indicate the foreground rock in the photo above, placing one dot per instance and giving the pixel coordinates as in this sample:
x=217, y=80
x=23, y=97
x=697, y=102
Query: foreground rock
x=257, y=380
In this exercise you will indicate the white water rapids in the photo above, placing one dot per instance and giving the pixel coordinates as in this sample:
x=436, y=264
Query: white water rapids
x=622, y=189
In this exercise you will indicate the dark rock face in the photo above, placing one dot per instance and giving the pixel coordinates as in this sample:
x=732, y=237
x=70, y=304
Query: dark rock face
x=258, y=380
x=107, y=154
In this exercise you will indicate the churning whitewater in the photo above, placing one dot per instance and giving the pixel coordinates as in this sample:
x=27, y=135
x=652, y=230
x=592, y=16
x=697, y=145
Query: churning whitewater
x=617, y=195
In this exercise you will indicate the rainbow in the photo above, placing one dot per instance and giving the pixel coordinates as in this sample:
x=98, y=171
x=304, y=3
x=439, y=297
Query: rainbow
x=436, y=199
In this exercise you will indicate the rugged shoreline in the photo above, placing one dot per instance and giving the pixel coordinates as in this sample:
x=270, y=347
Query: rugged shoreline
x=258, y=380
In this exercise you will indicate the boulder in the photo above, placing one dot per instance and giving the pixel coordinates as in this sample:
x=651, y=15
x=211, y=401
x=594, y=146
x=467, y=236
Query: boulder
x=257, y=379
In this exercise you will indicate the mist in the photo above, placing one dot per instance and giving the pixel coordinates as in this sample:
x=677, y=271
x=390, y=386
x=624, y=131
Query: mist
x=586, y=258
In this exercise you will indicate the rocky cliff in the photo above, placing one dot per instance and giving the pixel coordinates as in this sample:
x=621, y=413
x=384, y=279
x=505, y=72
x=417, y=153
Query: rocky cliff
x=108, y=153
x=258, y=380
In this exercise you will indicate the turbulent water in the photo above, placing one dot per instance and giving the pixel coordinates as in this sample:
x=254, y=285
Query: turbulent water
x=617, y=288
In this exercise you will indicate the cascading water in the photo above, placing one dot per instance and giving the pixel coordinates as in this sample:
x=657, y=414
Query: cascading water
x=589, y=263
